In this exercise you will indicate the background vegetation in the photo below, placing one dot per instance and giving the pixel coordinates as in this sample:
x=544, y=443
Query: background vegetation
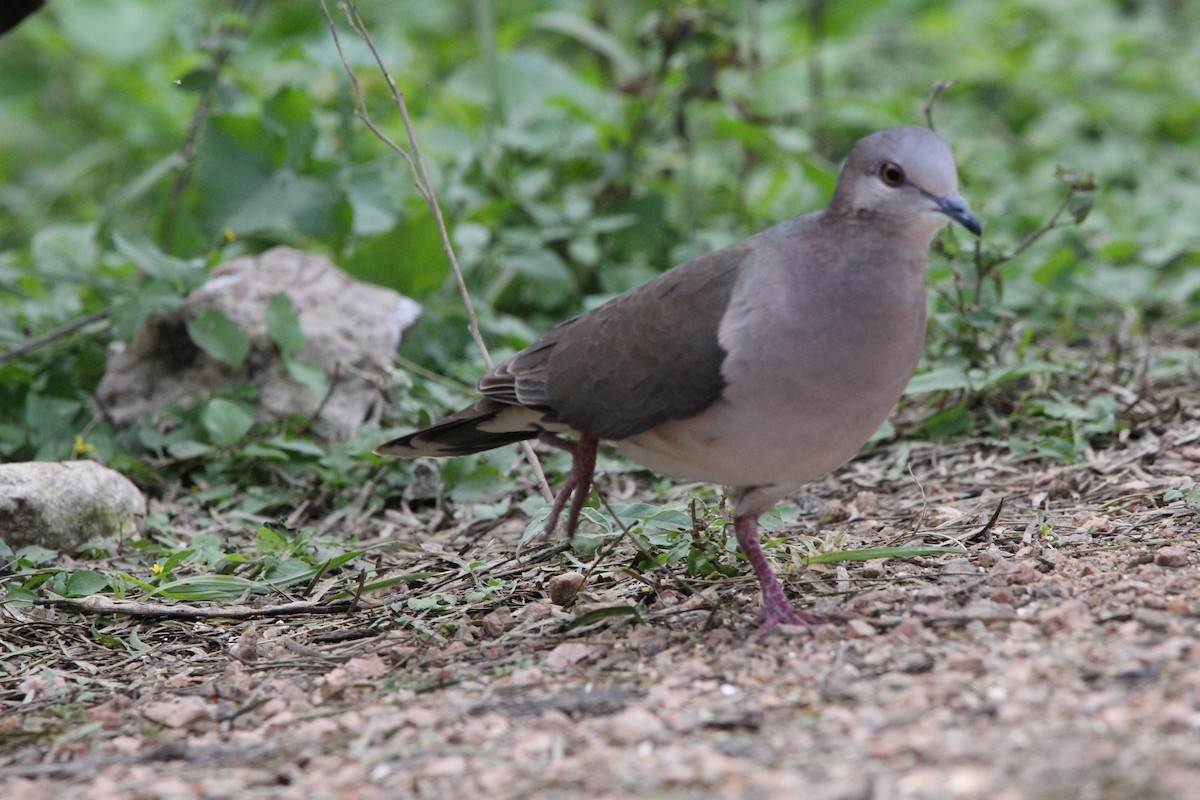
x=578, y=147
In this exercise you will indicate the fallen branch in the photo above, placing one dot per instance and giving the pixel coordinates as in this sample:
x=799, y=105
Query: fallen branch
x=96, y=604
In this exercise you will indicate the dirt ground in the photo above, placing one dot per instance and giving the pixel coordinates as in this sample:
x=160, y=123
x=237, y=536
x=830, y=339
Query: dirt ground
x=1057, y=658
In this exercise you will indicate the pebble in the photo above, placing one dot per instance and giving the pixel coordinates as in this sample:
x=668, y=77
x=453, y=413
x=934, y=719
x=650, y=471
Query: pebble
x=1171, y=557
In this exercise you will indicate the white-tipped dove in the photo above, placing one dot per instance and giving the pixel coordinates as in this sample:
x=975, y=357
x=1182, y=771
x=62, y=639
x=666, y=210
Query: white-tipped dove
x=760, y=366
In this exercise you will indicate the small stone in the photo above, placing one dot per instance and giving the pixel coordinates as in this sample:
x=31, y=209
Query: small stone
x=564, y=587
x=957, y=571
x=1069, y=615
x=633, y=725
x=178, y=712
x=909, y=628
x=525, y=676
x=448, y=767
x=1087, y=523
x=872, y=569
x=866, y=502
x=990, y=557
x=568, y=653
x=1154, y=619
x=1138, y=558
x=498, y=621
x=1171, y=557
x=420, y=717
x=833, y=512
x=1024, y=573
x=860, y=629
x=912, y=662
x=537, y=610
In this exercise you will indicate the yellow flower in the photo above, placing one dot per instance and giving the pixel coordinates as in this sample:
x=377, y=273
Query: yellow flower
x=156, y=569
x=83, y=447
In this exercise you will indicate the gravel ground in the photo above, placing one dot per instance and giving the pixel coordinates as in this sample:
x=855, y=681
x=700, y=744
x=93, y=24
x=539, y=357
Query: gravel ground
x=1057, y=657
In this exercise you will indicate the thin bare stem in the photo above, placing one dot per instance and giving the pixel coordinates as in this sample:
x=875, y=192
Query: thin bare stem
x=53, y=336
x=815, y=10
x=934, y=94
x=416, y=165
x=1048, y=225
x=424, y=184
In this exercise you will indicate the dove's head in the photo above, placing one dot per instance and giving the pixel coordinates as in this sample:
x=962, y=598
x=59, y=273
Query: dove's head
x=904, y=177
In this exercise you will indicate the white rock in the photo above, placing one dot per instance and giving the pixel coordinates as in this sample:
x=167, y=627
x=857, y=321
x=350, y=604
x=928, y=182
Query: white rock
x=61, y=505
x=352, y=330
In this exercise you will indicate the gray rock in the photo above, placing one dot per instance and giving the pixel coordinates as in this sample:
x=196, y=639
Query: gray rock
x=62, y=505
x=352, y=330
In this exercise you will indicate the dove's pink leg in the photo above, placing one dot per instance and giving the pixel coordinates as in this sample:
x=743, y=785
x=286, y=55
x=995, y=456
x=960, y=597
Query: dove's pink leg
x=776, y=608
x=578, y=483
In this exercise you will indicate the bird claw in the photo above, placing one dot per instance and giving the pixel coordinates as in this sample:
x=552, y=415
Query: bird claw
x=773, y=614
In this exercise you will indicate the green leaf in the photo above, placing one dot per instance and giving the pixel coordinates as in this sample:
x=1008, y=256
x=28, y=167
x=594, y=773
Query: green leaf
x=945, y=424
x=205, y=587
x=591, y=35
x=868, y=553
x=116, y=30
x=136, y=643
x=248, y=173
x=197, y=80
x=375, y=196
x=154, y=298
x=65, y=248
x=409, y=258
x=1056, y=409
x=298, y=446
x=188, y=448
x=283, y=326
x=289, y=571
x=33, y=554
x=220, y=337
x=270, y=542
x=20, y=597
x=605, y=613
x=175, y=559
x=940, y=379
x=431, y=601
x=227, y=421
x=307, y=373
x=151, y=261
x=258, y=450
x=85, y=582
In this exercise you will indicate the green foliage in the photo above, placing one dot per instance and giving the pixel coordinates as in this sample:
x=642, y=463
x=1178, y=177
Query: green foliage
x=577, y=149
x=1188, y=492
x=275, y=557
x=220, y=337
x=283, y=326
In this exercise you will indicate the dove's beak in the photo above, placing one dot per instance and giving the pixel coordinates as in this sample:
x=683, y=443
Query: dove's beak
x=956, y=209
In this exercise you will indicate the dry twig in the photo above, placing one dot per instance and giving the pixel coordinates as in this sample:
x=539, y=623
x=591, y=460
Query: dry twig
x=97, y=604
x=53, y=336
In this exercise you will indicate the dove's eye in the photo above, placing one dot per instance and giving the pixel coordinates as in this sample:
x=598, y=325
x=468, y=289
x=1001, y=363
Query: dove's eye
x=891, y=174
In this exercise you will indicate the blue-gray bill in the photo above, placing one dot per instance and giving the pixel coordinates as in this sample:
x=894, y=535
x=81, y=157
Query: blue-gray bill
x=956, y=209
